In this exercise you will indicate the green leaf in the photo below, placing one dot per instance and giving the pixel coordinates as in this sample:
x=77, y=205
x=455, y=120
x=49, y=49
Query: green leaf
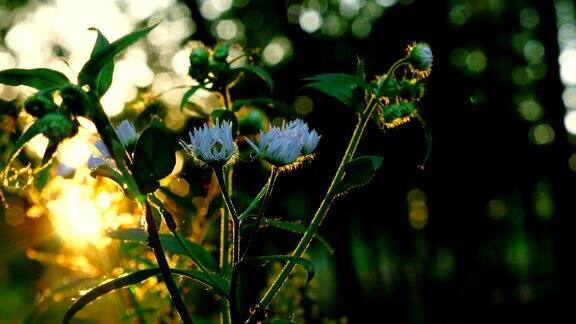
x=344, y=93
x=49, y=152
x=104, y=288
x=106, y=54
x=124, y=281
x=103, y=79
x=359, y=172
x=344, y=87
x=169, y=243
x=40, y=79
x=154, y=156
x=222, y=290
x=259, y=72
x=189, y=94
x=254, y=203
x=264, y=260
x=295, y=228
x=107, y=171
x=278, y=321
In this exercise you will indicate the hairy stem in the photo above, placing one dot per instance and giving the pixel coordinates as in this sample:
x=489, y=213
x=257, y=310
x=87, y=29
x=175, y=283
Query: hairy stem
x=235, y=244
x=223, y=291
x=270, y=185
x=156, y=245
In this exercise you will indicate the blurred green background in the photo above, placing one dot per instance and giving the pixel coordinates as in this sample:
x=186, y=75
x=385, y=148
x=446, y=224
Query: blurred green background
x=483, y=233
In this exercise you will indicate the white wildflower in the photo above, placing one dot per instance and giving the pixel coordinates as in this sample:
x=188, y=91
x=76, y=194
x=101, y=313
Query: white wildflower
x=126, y=134
x=279, y=146
x=212, y=144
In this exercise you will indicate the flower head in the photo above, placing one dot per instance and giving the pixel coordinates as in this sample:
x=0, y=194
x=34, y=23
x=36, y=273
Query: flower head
x=126, y=134
x=212, y=144
x=309, y=139
x=420, y=55
x=284, y=145
x=278, y=146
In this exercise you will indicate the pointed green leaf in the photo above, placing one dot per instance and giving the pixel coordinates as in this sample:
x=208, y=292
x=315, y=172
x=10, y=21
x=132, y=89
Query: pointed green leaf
x=259, y=72
x=343, y=92
x=106, y=54
x=154, y=155
x=107, y=171
x=359, y=172
x=103, y=79
x=50, y=150
x=261, y=261
x=189, y=94
x=341, y=79
x=127, y=280
x=295, y=228
x=104, y=288
x=223, y=285
x=253, y=204
x=344, y=87
x=169, y=243
x=40, y=79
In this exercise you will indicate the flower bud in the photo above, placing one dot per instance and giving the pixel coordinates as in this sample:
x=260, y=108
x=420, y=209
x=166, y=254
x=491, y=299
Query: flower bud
x=199, y=56
x=39, y=105
x=57, y=126
x=420, y=56
x=221, y=53
x=76, y=100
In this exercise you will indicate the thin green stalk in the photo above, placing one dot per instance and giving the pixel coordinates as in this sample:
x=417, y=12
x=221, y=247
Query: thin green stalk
x=254, y=203
x=223, y=291
x=232, y=298
x=224, y=261
x=124, y=163
x=270, y=185
x=154, y=242
x=321, y=212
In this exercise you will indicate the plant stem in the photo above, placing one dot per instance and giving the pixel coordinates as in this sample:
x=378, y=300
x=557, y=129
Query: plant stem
x=156, y=245
x=223, y=291
x=320, y=212
x=235, y=244
x=224, y=261
x=254, y=203
x=270, y=185
x=124, y=163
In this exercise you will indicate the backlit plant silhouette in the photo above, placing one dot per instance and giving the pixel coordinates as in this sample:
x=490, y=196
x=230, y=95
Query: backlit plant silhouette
x=138, y=161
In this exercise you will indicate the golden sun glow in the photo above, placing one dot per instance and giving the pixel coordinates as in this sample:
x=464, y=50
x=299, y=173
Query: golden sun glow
x=82, y=208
